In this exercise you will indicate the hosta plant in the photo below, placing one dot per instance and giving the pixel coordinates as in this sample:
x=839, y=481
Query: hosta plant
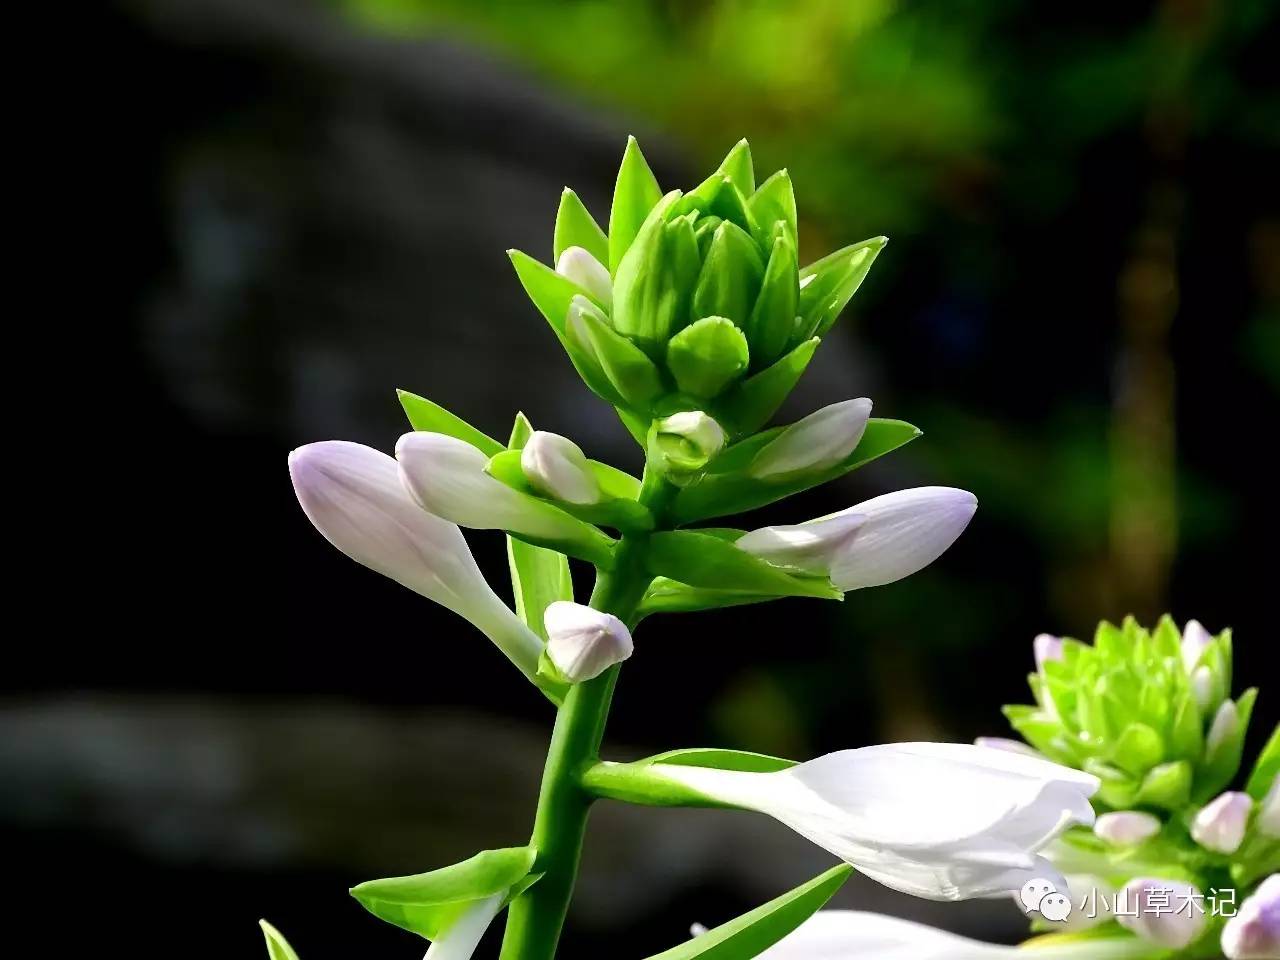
x=691, y=316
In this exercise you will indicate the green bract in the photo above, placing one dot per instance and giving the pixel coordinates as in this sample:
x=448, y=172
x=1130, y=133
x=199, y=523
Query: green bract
x=1125, y=709
x=709, y=308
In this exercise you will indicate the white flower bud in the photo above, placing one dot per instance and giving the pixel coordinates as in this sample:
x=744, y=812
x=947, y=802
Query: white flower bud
x=1195, y=640
x=1126, y=828
x=1047, y=647
x=811, y=547
x=697, y=428
x=1226, y=724
x=819, y=441
x=683, y=443
x=1220, y=824
x=1168, y=912
x=586, y=271
x=557, y=467
x=1254, y=932
x=1203, y=688
x=1268, y=822
x=582, y=642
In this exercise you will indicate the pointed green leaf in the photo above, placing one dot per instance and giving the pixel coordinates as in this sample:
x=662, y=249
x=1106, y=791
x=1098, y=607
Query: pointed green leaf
x=835, y=279
x=750, y=404
x=429, y=903
x=737, y=167
x=717, y=197
x=634, y=196
x=433, y=418
x=637, y=425
x=1220, y=766
x=628, y=368
x=553, y=294
x=774, y=201
x=539, y=576
x=752, y=933
x=704, y=560
x=1266, y=769
x=575, y=227
x=730, y=277
x=718, y=759
x=652, y=283
x=669, y=596
x=277, y=946
x=724, y=491
x=773, y=318
x=617, y=508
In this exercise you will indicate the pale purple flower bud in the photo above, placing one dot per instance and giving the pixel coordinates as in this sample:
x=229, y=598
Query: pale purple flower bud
x=586, y=271
x=1010, y=746
x=353, y=495
x=582, y=642
x=556, y=467
x=1168, y=912
x=1268, y=822
x=1220, y=824
x=1254, y=932
x=1195, y=640
x=1126, y=827
x=1226, y=724
x=1047, y=647
x=819, y=441
x=812, y=547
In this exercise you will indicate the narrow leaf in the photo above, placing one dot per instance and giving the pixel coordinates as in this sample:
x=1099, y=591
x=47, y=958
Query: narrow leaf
x=774, y=201
x=752, y=933
x=575, y=227
x=704, y=560
x=738, y=168
x=1266, y=769
x=277, y=946
x=749, y=405
x=635, y=194
x=425, y=415
x=718, y=759
x=831, y=283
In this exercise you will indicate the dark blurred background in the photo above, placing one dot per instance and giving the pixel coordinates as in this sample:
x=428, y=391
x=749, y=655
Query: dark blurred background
x=1080, y=306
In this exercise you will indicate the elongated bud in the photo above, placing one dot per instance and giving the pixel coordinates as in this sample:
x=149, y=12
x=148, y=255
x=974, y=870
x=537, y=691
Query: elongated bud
x=556, y=466
x=811, y=548
x=353, y=495
x=1195, y=640
x=684, y=443
x=1047, y=647
x=1254, y=933
x=1009, y=746
x=582, y=642
x=1226, y=724
x=1203, y=688
x=1220, y=824
x=819, y=441
x=1168, y=912
x=1268, y=822
x=1126, y=828
x=587, y=272
x=707, y=356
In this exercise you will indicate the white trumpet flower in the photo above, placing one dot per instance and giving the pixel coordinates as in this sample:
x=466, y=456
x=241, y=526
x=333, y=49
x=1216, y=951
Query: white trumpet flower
x=944, y=821
x=1254, y=932
x=849, y=934
x=586, y=271
x=557, y=467
x=1125, y=828
x=872, y=543
x=1165, y=912
x=353, y=495
x=583, y=643
x=447, y=477
x=1220, y=824
x=819, y=441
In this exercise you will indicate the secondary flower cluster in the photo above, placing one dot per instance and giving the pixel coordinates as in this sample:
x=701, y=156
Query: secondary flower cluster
x=693, y=319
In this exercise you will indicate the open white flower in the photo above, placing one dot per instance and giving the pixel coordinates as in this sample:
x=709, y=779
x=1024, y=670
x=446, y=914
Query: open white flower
x=353, y=495
x=944, y=821
x=872, y=543
x=854, y=935
x=820, y=440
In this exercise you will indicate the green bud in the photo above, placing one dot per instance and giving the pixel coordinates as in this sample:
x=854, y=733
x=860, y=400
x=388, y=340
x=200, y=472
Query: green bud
x=634, y=197
x=1167, y=785
x=730, y=277
x=738, y=168
x=626, y=366
x=707, y=356
x=774, y=201
x=1138, y=749
x=651, y=284
x=773, y=319
x=681, y=445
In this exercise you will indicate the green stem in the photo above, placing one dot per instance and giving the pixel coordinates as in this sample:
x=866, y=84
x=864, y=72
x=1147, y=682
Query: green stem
x=536, y=917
